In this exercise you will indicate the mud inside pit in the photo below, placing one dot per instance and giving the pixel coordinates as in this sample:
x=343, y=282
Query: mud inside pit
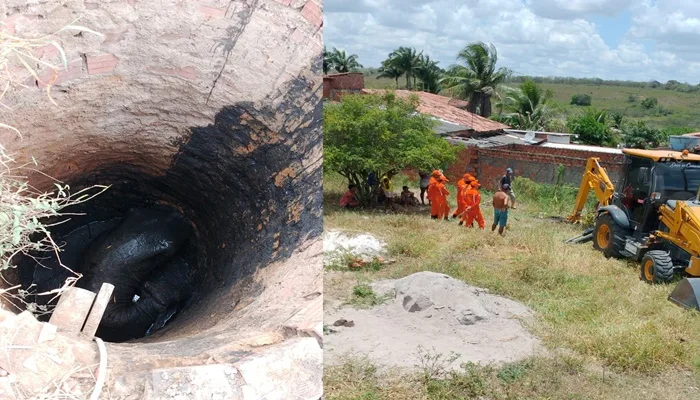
x=242, y=199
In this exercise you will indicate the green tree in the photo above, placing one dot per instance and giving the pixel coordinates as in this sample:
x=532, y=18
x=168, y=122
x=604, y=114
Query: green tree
x=591, y=127
x=429, y=74
x=366, y=134
x=640, y=136
x=581, y=99
x=343, y=62
x=526, y=106
x=389, y=71
x=406, y=60
x=478, y=79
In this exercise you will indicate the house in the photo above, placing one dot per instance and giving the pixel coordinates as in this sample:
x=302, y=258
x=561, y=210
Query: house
x=489, y=147
x=452, y=120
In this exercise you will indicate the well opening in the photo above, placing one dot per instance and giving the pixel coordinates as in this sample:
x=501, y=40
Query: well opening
x=232, y=183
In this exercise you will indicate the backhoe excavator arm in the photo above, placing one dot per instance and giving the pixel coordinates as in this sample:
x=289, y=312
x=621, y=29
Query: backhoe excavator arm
x=683, y=224
x=594, y=179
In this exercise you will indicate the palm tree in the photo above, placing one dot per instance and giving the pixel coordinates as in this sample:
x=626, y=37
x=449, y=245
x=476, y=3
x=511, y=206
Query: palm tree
x=405, y=60
x=429, y=74
x=344, y=63
x=327, y=60
x=478, y=79
x=527, y=106
x=388, y=71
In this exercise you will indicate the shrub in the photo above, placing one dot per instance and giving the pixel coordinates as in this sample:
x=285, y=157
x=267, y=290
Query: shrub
x=650, y=102
x=641, y=136
x=581, y=99
x=591, y=128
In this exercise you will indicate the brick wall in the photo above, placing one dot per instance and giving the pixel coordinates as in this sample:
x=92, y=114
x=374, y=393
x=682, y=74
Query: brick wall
x=467, y=161
x=536, y=163
x=335, y=85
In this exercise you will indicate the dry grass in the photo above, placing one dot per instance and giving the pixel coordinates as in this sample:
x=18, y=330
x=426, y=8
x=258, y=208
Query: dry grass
x=557, y=377
x=594, y=306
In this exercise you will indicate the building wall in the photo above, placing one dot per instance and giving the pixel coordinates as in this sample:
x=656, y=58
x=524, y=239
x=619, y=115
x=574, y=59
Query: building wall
x=536, y=163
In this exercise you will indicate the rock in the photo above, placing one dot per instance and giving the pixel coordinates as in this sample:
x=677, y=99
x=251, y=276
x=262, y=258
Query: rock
x=419, y=303
x=344, y=322
x=468, y=317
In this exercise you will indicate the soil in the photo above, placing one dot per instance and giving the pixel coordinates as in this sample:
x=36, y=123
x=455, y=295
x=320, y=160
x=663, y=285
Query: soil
x=436, y=312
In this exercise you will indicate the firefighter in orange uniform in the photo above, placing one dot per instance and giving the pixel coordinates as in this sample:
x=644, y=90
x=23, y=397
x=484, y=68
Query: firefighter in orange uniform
x=473, y=210
x=462, y=186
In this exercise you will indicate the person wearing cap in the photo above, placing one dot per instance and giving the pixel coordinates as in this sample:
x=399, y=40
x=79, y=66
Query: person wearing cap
x=472, y=212
x=437, y=195
x=500, y=209
x=462, y=186
x=507, y=179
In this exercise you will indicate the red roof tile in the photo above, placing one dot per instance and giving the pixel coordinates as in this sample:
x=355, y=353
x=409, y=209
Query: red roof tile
x=446, y=108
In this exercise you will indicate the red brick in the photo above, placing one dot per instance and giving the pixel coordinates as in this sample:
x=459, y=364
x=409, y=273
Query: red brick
x=212, y=12
x=101, y=64
x=189, y=73
x=74, y=70
x=299, y=36
x=312, y=12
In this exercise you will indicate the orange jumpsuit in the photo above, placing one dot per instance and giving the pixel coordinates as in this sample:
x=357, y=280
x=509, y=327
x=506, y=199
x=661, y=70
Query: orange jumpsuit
x=433, y=193
x=441, y=205
x=473, y=212
x=462, y=185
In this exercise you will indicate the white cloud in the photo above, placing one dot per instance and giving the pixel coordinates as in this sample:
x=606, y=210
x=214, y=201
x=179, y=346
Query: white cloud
x=663, y=41
x=567, y=9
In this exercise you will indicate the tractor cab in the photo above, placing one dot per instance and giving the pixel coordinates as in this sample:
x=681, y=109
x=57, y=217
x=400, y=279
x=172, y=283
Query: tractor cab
x=652, y=178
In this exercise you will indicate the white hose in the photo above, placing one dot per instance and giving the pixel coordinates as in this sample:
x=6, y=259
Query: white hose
x=102, y=371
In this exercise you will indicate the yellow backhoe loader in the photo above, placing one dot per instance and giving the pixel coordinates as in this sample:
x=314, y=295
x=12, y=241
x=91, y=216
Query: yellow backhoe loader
x=653, y=219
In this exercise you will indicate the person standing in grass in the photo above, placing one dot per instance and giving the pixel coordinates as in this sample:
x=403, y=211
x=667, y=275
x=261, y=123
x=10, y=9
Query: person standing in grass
x=472, y=213
x=462, y=187
x=437, y=195
x=424, y=183
x=500, y=209
x=507, y=179
x=442, y=199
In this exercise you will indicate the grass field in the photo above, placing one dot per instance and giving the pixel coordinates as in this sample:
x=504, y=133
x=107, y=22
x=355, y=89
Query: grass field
x=611, y=336
x=675, y=109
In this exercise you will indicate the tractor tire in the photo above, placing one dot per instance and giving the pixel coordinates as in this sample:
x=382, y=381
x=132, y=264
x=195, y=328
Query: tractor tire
x=657, y=267
x=609, y=237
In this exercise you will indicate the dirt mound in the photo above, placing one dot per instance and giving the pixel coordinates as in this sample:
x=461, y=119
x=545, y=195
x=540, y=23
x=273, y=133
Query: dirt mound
x=336, y=245
x=437, y=312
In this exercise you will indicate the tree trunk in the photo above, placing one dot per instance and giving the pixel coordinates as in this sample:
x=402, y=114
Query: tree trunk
x=397, y=82
x=408, y=80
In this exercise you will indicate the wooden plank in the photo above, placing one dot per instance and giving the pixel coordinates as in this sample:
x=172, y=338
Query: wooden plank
x=98, y=310
x=72, y=309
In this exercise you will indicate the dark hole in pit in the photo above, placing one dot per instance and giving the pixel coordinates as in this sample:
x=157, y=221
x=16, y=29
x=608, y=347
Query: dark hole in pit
x=128, y=237
x=230, y=182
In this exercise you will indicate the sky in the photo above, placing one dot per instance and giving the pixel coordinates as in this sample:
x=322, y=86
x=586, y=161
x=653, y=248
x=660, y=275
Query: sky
x=639, y=40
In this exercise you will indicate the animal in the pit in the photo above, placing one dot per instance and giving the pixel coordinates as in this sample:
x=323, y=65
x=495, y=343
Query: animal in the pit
x=138, y=258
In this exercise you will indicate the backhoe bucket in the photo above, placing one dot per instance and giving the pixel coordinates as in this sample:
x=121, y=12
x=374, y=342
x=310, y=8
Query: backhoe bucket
x=687, y=294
